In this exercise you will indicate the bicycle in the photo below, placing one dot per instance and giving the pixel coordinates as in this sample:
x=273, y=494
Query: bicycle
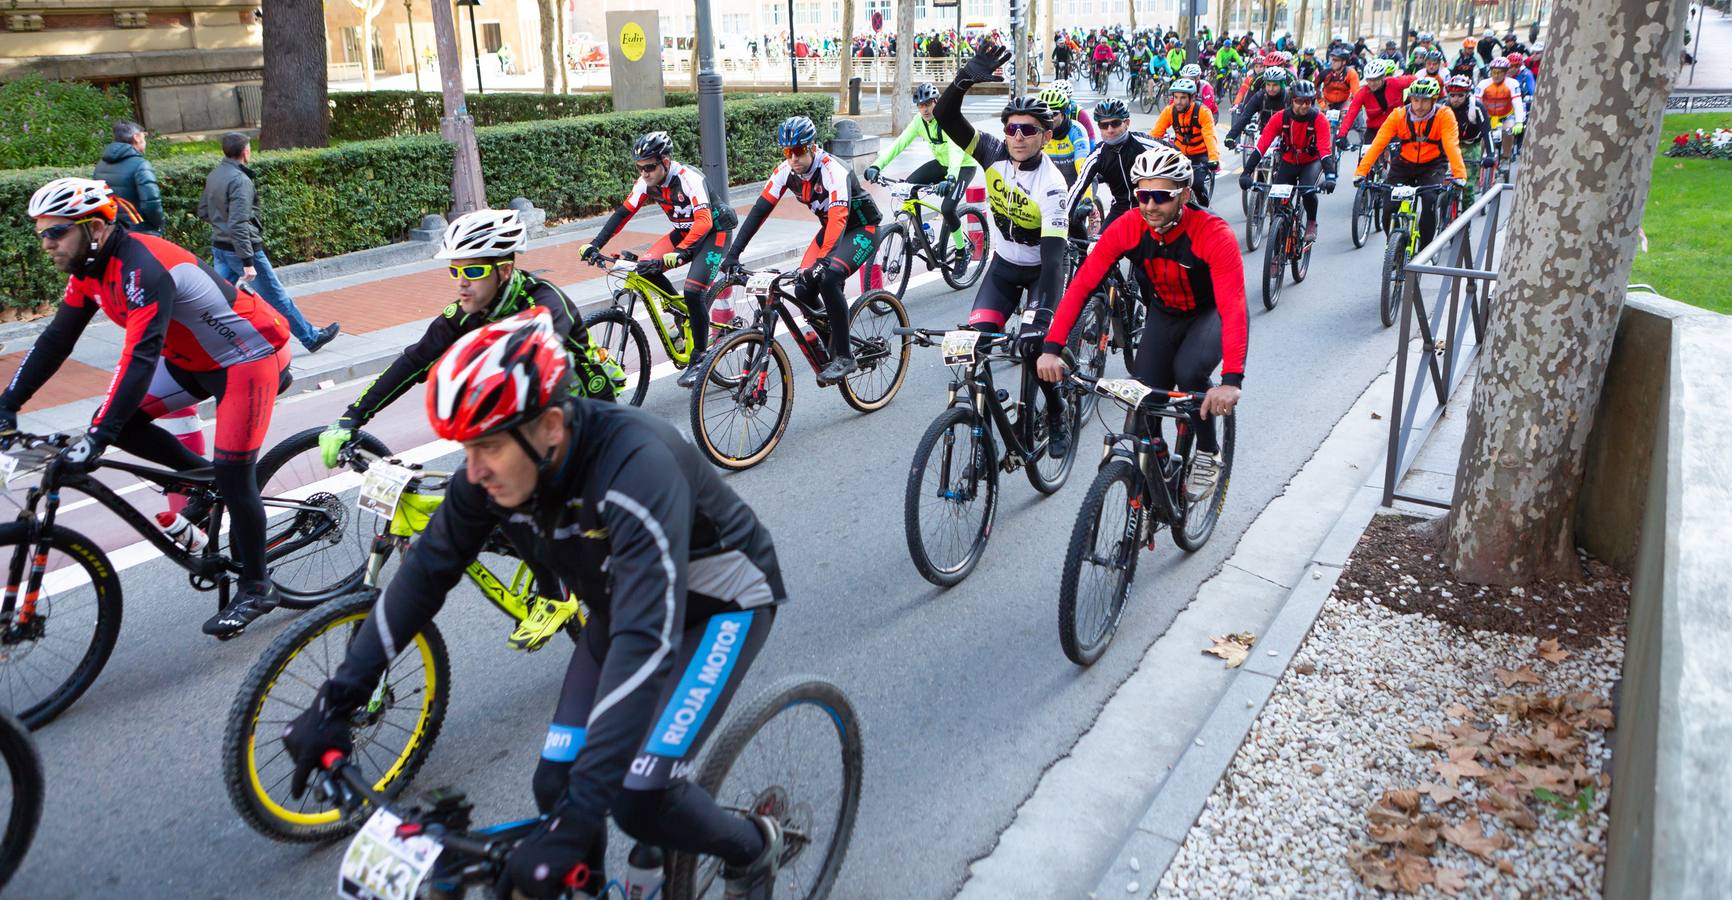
x=1146, y=482
x=433, y=849
x=616, y=330
x=1112, y=319
x=1404, y=240
x=747, y=388
x=1256, y=201
x=71, y=581
x=1367, y=216
x=24, y=791
x=287, y=675
x=1288, y=247
x=1098, y=77
x=910, y=236
x=953, y=483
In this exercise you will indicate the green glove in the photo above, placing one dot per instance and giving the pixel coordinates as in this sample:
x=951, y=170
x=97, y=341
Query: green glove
x=671, y=260
x=332, y=441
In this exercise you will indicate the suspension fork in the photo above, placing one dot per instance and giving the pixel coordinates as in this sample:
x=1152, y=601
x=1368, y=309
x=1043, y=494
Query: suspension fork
x=39, y=531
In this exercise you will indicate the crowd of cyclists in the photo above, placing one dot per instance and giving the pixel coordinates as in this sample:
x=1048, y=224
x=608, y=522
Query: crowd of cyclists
x=611, y=505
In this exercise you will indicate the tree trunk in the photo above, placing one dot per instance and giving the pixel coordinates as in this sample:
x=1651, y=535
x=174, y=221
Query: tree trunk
x=1224, y=16
x=1131, y=12
x=295, y=112
x=1304, y=20
x=549, y=38
x=564, y=47
x=1577, y=208
x=845, y=59
x=901, y=110
x=369, y=11
x=1268, y=18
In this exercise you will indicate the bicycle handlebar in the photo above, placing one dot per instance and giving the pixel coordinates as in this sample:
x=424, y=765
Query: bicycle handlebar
x=345, y=784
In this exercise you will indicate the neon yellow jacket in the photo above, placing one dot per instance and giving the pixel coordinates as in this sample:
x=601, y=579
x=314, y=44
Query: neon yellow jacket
x=944, y=149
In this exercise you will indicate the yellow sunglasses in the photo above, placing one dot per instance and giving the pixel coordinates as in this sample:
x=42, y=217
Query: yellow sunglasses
x=474, y=272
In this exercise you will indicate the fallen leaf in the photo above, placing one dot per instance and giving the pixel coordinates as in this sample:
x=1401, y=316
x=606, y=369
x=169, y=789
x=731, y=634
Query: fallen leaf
x=1549, y=743
x=1454, y=769
x=1316, y=769
x=1506, y=867
x=1588, y=850
x=1449, y=881
x=1466, y=734
x=1515, y=745
x=1458, y=710
x=1600, y=718
x=1439, y=794
x=1234, y=648
x=1412, y=872
x=1523, y=675
x=1428, y=739
x=1305, y=669
x=1509, y=809
x=1549, y=651
x=1368, y=863
x=1406, y=800
x=1470, y=836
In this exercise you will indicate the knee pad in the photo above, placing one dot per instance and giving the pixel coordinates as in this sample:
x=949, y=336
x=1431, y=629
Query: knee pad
x=549, y=783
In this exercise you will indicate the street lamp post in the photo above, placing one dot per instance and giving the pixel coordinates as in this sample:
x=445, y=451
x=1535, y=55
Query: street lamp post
x=712, y=124
x=793, y=59
x=414, y=54
x=474, y=42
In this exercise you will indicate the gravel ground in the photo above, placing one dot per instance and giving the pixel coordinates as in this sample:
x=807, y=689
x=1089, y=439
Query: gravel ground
x=1402, y=752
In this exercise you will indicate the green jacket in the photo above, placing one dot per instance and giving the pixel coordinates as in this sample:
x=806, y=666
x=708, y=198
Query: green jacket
x=944, y=149
x=1176, y=58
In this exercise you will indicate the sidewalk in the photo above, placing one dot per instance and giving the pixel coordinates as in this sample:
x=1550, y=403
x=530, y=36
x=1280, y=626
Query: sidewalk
x=1713, y=68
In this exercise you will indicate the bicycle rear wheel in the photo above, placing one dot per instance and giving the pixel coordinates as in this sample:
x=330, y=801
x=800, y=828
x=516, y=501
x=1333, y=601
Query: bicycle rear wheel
x=1091, y=344
x=24, y=791
x=1046, y=474
x=747, y=394
x=1100, y=562
x=1275, y=261
x=1201, y=515
x=1300, y=260
x=794, y=753
x=393, y=732
x=622, y=339
x=963, y=272
x=318, y=552
x=1256, y=223
x=951, y=497
x=49, y=659
x=882, y=354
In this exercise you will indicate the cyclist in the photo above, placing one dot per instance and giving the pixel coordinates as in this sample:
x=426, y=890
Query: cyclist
x=700, y=231
x=950, y=168
x=1518, y=72
x=843, y=243
x=1309, y=65
x=1110, y=161
x=1305, y=150
x=1069, y=144
x=674, y=565
x=1430, y=150
x=1392, y=53
x=1027, y=194
x=1101, y=58
x=1186, y=261
x=1381, y=92
x=1433, y=68
x=1175, y=54
x=1205, y=90
x=1503, y=100
x=1194, y=134
x=1267, y=102
x=1421, y=52
x=1061, y=55
x=1137, y=60
x=187, y=335
x=1227, y=59
x=1337, y=84
x=1473, y=126
x=1466, y=62
x=1252, y=80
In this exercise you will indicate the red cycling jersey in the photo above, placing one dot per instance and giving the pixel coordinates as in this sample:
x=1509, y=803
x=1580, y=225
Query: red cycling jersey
x=1303, y=141
x=1376, y=104
x=1195, y=266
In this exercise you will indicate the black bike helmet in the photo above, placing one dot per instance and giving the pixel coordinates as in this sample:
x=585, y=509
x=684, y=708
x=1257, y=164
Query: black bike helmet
x=654, y=145
x=1340, y=53
x=925, y=93
x=1112, y=108
x=1302, y=90
x=1027, y=106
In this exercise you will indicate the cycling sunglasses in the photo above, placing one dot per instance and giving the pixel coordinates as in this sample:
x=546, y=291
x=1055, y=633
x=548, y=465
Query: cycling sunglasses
x=1026, y=129
x=1110, y=123
x=790, y=151
x=1158, y=197
x=646, y=169
x=473, y=272
x=56, y=232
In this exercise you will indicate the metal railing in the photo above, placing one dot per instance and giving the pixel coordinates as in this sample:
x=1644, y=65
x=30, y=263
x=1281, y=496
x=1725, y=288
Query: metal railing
x=817, y=71
x=1445, y=348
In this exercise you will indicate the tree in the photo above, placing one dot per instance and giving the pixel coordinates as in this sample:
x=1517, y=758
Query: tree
x=845, y=59
x=549, y=42
x=1304, y=20
x=1269, y=7
x=1578, y=203
x=564, y=48
x=1131, y=12
x=370, y=10
x=295, y=111
x=902, y=108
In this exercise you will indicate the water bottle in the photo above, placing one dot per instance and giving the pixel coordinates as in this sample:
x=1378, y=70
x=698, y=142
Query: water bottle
x=643, y=873
x=181, y=531
x=927, y=227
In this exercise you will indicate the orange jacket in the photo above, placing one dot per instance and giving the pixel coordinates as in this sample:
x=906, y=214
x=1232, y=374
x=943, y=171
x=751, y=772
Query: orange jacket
x=1436, y=138
x=1194, y=134
x=1336, y=88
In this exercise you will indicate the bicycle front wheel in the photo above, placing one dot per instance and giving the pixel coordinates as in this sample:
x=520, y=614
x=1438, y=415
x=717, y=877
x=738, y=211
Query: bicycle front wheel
x=318, y=550
x=882, y=354
x=795, y=754
x=49, y=658
x=393, y=732
x=1393, y=281
x=951, y=497
x=1275, y=261
x=1363, y=205
x=894, y=255
x=964, y=270
x=740, y=411
x=1100, y=562
x=24, y=791
x=621, y=338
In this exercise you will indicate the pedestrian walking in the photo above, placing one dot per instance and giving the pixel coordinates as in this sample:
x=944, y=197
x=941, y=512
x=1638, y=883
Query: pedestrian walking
x=130, y=176
x=230, y=204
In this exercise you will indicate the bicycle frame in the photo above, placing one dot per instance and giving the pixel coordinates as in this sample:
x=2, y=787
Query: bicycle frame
x=916, y=208
x=624, y=279
x=1141, y=443
x=973, y=386
x=777, y=303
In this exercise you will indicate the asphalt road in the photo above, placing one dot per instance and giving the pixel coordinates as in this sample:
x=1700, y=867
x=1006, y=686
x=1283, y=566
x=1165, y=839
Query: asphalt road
x=964, y=695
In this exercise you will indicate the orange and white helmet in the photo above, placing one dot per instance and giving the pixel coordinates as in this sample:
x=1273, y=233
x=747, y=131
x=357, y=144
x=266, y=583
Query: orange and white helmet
x=73, y=198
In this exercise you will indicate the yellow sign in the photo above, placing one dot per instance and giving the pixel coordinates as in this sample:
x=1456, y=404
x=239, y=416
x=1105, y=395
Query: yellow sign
x=632, y=41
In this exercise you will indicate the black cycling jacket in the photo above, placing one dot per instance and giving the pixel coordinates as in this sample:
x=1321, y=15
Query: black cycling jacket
x=641, y=527
x=1111, y=164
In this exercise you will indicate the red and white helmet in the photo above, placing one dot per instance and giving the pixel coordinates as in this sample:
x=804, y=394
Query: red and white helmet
x=73, y=198
x=498, y=376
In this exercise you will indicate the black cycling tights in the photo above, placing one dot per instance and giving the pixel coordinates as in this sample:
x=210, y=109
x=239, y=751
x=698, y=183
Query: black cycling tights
x=1000, y=292
x=236, y=481
x=1180, y=352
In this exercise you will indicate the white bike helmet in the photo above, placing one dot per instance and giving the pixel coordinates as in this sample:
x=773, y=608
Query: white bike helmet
x=1162, y=161
x=1378, y=68
x=1183, y=86
x=484, y=234
x=1063, y=85
x=73, y=198
x=1191, y=70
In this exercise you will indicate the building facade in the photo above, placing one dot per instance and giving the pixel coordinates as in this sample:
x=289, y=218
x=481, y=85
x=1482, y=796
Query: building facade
x=509, y=32
x=190, y=65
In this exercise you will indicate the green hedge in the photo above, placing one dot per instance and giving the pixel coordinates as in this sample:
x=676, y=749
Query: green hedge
x=44, y=123
x=365, y=194
x=364, y=115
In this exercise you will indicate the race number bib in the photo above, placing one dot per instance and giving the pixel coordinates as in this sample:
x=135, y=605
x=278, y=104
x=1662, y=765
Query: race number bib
x=1129, y=390
x=8, y=468
x=959, y=347
x=382, y=488
x=1404, y=192
x=901, y=191
x=759, y=283
x=1280, y=191
x=381, y=866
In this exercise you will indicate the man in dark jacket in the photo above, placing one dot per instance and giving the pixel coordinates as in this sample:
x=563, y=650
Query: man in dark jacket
x=230, y=204
x=130, y=176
